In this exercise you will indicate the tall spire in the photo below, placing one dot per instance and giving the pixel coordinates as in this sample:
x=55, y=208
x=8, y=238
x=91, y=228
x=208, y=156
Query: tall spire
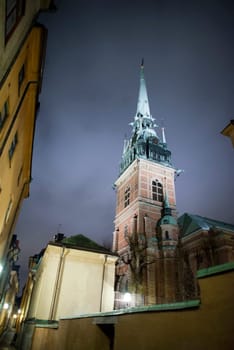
x=144, y=142
x=143, y=101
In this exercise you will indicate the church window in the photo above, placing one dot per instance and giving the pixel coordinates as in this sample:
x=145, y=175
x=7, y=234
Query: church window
x=126, y=197
x=157, y=191
x=166, y=235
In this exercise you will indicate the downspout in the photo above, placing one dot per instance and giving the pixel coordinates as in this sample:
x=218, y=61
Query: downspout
x=103, y=276
x=56, y=287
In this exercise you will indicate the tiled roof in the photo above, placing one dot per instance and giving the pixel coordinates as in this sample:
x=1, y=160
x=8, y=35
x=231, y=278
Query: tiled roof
x=82, y=242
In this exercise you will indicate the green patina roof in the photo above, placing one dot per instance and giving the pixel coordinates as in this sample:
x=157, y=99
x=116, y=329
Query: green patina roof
x=191, y=223
x=83, y=242
x=167, y=220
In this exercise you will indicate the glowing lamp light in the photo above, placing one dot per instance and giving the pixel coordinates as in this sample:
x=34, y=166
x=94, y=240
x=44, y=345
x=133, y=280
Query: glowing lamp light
x=1, y=268
x=127, y=298
x=19, y=311
x=14, y=316
x=6, y=306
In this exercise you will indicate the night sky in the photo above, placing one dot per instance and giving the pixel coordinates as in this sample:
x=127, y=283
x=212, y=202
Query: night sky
x=89, y=97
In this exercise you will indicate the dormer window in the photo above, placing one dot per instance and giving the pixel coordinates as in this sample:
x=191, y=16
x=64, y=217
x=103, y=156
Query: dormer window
x=157, y=191
x=126, y=197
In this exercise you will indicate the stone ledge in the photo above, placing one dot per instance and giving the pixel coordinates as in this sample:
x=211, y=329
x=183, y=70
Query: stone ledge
x=160, y=307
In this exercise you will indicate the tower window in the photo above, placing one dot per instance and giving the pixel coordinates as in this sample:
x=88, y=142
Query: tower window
x=157, y=191
x=126, y=197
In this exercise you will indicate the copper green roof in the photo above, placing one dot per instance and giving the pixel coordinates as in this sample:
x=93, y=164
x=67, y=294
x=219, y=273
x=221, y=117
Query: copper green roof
x=167, y=220
x=190, y=223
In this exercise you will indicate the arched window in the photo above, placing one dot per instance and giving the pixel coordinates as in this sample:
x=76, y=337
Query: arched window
x=166, y=235
x=157, y=191
x=126, y=197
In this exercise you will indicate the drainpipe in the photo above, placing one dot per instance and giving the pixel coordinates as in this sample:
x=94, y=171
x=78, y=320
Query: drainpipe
x=103, y=276
x=56, y=286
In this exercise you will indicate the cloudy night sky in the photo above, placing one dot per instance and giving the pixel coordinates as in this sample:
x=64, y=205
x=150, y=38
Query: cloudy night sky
x=89, y=97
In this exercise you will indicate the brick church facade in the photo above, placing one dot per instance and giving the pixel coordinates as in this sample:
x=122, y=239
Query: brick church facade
x=159, y=253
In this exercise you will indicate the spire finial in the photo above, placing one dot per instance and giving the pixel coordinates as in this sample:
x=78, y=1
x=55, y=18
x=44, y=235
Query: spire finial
x=163, y=135
x=143, y=102
x=166, y=202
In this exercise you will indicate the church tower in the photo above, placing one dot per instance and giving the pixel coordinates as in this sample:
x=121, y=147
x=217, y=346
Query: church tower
x=145, y=194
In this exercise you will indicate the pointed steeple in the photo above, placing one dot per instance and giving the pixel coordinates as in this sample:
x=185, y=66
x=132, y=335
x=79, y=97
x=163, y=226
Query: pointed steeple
x=143, y=124
x=143, y=101
x=144, y=142
x=166, y=214
x=166, y=207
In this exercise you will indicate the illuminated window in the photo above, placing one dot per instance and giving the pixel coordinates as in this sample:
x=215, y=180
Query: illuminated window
x=4, y=113
x=13, y=146
x=157, y=191
x=126, y=197
x=14, y=12
x=8, y=211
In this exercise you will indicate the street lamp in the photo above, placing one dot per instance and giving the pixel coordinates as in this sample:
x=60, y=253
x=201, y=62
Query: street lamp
x=127, y=298
x=5, y=306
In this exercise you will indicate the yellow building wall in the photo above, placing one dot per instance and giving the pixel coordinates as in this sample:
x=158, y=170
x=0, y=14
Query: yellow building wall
x=10, y=48
x=15, y=173
x=209, y=327
x=70, y=282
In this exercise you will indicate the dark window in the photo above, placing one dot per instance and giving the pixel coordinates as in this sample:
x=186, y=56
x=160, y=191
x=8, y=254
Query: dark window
x=13, y=146
x=14, y=12
x=4, y=114
x=126, y=197
x=125, y=230
x=157, y=191
x=21, y=76
x=166, y=235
